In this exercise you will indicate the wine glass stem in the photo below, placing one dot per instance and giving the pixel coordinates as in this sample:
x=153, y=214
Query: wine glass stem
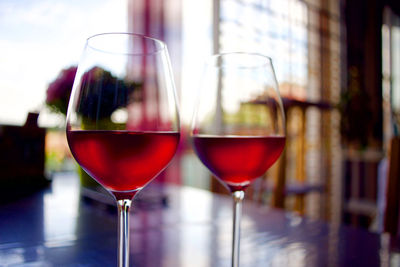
x=123, y=231
x=237, y=213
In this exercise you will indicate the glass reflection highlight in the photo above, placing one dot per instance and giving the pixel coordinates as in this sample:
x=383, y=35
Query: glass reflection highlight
x=60, y=225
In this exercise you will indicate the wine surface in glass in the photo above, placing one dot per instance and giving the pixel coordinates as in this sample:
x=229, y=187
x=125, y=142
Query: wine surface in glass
x=237, y=160
x=122, y=160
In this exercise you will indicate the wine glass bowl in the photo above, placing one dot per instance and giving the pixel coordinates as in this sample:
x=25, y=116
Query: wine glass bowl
x=122, y=120
x=238, y=127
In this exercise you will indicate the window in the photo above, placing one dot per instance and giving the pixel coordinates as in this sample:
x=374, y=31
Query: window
x=40, y=38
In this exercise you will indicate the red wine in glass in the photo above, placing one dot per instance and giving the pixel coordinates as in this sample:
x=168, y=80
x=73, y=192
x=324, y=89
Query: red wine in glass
x=238, y=125
x=237, y=160
x=123, y=118
x=122, y=160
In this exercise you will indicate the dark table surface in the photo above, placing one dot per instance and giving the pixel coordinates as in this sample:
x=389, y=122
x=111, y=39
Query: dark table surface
x=59, y=227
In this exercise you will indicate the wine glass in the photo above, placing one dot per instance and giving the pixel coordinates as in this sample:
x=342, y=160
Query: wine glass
x=122, y=120
x=238, y=127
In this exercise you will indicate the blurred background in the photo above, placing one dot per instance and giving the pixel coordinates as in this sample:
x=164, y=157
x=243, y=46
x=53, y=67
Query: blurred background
x=337, y=63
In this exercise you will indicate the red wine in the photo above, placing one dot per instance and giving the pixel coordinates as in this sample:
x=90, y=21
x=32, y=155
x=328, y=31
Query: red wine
x=122, y=160
x=237, y=160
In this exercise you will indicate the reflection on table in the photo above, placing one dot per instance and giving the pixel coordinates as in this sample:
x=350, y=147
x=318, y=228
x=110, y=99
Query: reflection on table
x=58, y=227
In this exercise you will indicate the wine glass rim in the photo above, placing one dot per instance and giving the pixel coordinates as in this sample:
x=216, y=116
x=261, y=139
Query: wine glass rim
x=162, y=45
x=219, y=55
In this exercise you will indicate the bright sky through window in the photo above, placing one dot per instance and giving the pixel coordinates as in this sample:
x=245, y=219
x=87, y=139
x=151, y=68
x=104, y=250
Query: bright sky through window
x=38, y=39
